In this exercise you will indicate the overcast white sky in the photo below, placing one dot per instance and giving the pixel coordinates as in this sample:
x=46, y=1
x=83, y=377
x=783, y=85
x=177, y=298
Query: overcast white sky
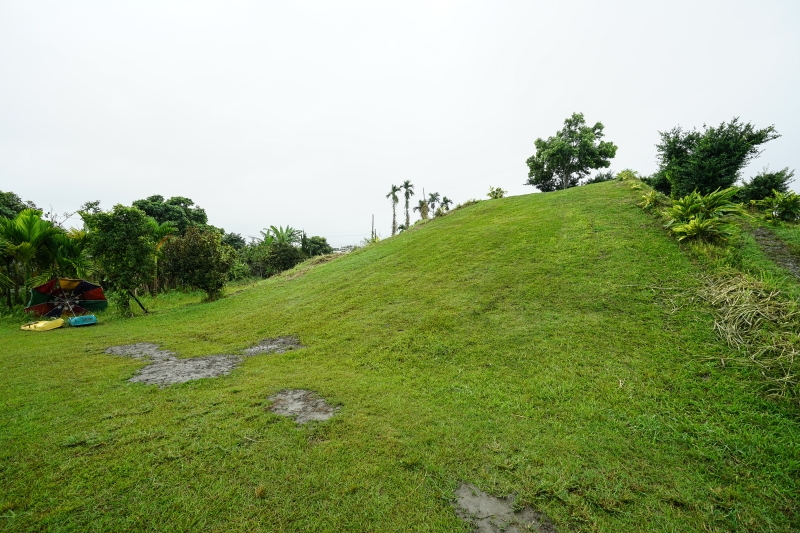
x=306, y=112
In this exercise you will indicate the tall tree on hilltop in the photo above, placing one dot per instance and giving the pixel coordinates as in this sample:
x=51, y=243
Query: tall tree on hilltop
x=409, y=192
x=445, y=203
x=564, y=160
x=393, y=195
x=433, y=199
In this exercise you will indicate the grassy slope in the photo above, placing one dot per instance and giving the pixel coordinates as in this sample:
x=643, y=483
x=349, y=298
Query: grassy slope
x=512, y=344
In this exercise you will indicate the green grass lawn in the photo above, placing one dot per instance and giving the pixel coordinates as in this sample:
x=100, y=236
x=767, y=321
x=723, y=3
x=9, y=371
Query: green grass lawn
x=516, y=344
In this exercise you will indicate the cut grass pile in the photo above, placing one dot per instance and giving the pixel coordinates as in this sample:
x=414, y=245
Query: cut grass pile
x=516, y=345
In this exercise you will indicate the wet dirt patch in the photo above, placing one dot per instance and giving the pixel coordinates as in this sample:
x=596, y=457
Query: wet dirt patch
x=488, y=514
x=777, y=250
x=302, y=405
x=276, y=345
x=166, y=369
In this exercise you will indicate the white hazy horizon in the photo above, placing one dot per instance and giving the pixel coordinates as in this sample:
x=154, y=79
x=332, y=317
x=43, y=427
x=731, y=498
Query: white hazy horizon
x=305, y=113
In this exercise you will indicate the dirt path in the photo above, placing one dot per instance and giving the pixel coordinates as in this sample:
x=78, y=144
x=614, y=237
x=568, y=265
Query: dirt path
x=777, y=250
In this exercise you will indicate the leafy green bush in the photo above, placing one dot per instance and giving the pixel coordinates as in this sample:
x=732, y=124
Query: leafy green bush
x=282, y=256
x=710, y=159
x=496, y=193
x=764, y=183
x=703, y=217
x=782, y=206
x=627, y=174
x=199, y=259
x=316, y=245
x=653, y=199
x=600, y=177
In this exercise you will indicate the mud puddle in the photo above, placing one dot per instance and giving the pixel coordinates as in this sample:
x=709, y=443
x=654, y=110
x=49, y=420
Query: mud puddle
x=302, y=405
x=165, y=368
x=489, y=514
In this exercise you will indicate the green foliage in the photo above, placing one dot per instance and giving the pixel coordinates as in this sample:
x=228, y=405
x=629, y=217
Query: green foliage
x=600, y=177
x=199, y=259
x=422, y=207
x=282, y=256
x=179, y=210
x=281, y=235
x=433, y=199
x=708, y=160
x=446, y=203
x=29, y=249
x=234, y=240
x=122, y=243
x=704, y=217
x=496, y=193
x=316, y=245
x=12, y=205
x=567, y=158
x=653, y=199
x=764, y=183
x=627, y=175
x=782, y=206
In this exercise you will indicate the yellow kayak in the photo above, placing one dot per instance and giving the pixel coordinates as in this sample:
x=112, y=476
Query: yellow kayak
x=43, y=325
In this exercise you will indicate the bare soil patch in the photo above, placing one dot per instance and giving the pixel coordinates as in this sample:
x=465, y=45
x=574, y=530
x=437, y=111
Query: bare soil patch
x=777, y=250
x=489, y=514
x=276, y=345
x=166, y=369
x=302, y=405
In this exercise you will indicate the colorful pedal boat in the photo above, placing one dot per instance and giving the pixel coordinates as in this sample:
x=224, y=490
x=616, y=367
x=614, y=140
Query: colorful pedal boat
x=43, y=325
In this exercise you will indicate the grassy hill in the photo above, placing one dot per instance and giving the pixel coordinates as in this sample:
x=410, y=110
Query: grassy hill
x=538, y=345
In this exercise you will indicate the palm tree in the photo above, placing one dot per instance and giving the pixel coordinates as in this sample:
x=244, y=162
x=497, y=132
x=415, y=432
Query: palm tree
x=409, y=192
x=422, y=207
x=393, y=195
x=433, y=199
x=29, y=245
x=445, y=203
x=162, y=233
x=281, y=235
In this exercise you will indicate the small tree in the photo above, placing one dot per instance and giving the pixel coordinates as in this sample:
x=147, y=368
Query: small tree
x=200, y=259
x=708, y=160
x=315, y=245
x=122, y=243
x=564, y=160
x=282, y=256
x=764, y=183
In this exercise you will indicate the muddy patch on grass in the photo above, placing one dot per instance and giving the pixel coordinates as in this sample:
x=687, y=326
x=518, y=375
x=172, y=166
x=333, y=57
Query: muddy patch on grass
x=166, y=369
x=777, y=250
x=302, y=405
x=276, y=345
x=488, y=514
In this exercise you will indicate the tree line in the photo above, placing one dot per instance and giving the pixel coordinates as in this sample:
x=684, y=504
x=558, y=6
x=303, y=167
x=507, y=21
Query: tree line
x=154, y=245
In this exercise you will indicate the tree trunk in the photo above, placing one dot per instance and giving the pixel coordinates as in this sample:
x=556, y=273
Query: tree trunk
x=394, y=218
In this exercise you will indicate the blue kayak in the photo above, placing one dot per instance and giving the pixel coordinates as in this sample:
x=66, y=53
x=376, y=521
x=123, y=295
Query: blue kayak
x=85, y=320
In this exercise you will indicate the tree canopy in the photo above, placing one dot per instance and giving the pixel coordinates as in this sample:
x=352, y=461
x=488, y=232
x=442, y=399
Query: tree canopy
x=12, y=205
x=122, y=243
x=565, y=159
x=179, y=210
x=707, y=160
